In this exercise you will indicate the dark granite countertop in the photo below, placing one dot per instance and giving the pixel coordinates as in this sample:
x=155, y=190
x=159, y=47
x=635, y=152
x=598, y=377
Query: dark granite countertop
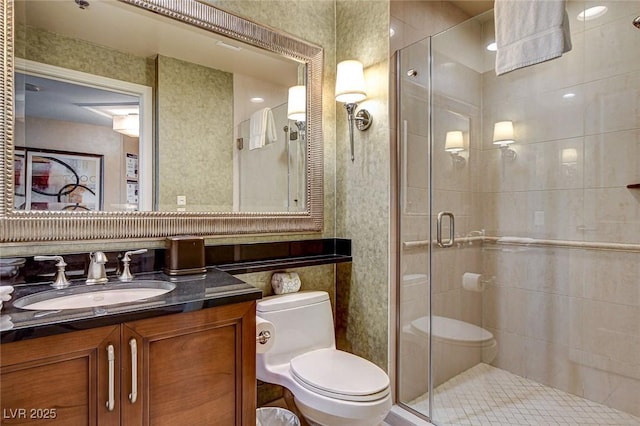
x=192, y=293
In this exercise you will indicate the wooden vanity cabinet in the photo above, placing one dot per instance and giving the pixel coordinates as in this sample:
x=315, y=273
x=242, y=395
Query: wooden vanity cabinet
x=60, y=380
x=195, y=368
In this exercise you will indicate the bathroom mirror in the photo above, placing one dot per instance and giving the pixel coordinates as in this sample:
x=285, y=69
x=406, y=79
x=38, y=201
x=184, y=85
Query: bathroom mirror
x=222, y=66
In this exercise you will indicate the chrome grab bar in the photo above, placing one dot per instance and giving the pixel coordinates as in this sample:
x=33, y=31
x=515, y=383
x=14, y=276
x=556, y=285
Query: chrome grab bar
x=452, y=230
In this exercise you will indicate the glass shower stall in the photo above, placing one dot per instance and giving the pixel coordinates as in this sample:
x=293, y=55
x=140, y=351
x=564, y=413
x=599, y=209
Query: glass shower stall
x=519, y=255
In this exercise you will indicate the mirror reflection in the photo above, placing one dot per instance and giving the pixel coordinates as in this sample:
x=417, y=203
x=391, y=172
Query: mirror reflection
x=121, y=109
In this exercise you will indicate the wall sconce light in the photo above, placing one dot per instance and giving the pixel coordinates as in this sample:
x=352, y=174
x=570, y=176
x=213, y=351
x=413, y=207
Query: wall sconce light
x=503, y=136
x=297, y=106
x=127, y=124
x=454, y=145
x=350, y=89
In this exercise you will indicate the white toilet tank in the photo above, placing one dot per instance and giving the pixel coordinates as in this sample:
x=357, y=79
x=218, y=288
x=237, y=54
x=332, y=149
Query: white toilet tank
x=303, y=322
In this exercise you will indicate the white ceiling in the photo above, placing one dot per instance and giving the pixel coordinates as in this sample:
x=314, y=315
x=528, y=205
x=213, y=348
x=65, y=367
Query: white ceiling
x=473, y=7
x=129, y=29
x=142, y=33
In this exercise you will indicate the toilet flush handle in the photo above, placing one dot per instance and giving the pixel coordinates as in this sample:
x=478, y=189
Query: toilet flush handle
x=263, y=337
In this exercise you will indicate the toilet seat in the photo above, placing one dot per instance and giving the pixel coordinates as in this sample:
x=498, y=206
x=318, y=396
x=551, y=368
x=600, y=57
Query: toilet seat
x=340, y=375
x=453, y=331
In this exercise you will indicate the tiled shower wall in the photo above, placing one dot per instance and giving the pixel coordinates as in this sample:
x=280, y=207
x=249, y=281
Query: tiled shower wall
x=569, y=318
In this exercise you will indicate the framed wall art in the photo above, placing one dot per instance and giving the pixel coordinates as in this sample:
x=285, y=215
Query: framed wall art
x=59, y=180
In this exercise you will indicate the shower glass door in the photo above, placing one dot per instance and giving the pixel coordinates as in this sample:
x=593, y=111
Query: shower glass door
x=521, y=304
x=414, y=231
x=440, y=229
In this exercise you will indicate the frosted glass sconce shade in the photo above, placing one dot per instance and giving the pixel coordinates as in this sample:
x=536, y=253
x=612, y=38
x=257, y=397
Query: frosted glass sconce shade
x=351, y=89
x=297, y=103
x=350, y=86
x=127, y=124
x=454, y=141
x=503, y=133
x=569, y=156
x=454, y=145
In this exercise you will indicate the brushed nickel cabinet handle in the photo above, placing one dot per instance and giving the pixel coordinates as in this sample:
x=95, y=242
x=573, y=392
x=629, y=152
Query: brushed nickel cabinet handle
x=111, y=356
x=133, y=396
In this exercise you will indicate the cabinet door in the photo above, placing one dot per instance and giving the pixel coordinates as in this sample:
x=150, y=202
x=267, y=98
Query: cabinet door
x=62, y=379
x=194, y=368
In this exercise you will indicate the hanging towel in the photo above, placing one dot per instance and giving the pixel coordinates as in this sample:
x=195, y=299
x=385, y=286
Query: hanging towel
x=529, y=32
x=262, y=129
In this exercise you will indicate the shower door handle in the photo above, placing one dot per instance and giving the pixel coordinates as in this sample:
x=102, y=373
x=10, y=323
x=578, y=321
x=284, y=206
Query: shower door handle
x=452, y=230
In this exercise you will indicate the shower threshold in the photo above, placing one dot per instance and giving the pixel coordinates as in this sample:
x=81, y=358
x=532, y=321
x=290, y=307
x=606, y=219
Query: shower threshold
x=485, y=395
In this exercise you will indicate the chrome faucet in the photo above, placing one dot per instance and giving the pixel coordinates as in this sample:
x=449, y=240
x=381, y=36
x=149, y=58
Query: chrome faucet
x=97, y=273
x=60, y=281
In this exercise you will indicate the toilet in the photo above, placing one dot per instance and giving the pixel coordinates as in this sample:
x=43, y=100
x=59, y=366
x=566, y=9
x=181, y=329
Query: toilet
x=330, y=387
x=457, y=345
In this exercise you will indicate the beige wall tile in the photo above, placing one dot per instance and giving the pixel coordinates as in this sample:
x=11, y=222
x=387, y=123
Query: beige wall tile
x=611, y=214
x=611, y=104
x=511, y=351
x=609, y=159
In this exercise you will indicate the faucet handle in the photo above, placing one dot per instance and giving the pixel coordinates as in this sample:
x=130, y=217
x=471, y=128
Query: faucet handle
x=98, y=257
x=126, y=257
x=126, y=272
x=61, y=280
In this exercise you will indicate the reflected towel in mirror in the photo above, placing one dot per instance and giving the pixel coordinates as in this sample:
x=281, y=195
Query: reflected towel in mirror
x=262, y=129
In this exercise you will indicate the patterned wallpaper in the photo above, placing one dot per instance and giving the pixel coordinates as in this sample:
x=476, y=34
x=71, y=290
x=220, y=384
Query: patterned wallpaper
x=54, y=49
x=195, y=136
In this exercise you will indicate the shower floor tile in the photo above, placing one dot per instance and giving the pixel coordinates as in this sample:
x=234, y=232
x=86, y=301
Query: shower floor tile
x=485, y=395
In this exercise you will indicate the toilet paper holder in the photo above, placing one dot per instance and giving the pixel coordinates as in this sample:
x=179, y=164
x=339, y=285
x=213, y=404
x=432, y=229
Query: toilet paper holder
x=263, y=337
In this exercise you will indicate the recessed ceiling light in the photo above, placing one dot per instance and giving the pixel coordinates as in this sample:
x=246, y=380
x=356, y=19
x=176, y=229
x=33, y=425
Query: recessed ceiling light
x=228, y=46
x=569, y=95
x=257, y=100
x=592, y=13
x=492, y=47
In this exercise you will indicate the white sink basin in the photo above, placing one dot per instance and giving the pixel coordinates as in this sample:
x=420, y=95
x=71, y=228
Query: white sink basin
x=92, y=296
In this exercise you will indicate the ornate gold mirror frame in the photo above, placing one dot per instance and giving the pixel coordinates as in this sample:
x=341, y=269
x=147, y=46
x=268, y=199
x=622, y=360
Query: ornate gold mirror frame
x=25, y=226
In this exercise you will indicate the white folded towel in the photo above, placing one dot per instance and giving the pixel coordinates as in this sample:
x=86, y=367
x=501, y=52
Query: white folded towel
x=262, y=129
x=5, y=322
x=529, y=32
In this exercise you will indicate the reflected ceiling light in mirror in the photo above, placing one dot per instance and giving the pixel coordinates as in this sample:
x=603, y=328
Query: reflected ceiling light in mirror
x=351, y=89
x=503, y=136
x=127, y=124
x=228, y=46
x=592, y=13
x=568, y=95
x=492, y=47
x=256, y=100
x=392, y=32
x=454, y=145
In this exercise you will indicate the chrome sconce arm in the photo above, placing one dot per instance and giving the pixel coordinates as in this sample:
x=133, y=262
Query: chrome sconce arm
x=350, y=89
x=362, y=121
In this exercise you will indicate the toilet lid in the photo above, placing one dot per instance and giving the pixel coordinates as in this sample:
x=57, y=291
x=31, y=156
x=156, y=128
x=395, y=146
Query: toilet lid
x=340, y=375
x=452, y=330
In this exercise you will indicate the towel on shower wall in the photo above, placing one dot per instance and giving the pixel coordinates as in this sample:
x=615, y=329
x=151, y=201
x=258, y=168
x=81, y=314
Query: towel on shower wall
x=262, y=129
x=529, y=32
